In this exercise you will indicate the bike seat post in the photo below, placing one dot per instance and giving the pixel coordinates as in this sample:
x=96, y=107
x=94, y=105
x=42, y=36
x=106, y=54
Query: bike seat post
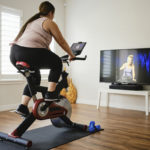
x=24, y=69
x=31, y=87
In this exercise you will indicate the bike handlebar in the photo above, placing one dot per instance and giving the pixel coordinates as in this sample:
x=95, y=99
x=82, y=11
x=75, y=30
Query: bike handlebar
x=80, y=58
x=65, y=58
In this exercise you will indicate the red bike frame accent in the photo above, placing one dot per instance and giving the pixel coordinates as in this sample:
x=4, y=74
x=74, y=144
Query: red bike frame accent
x=14, y=134
x=54, y=110
x=24, y=64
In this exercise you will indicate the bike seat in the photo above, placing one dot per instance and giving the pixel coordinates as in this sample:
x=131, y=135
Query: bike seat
x=21, y=65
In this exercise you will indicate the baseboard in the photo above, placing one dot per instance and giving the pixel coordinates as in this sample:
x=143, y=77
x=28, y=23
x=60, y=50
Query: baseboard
x=8, y=107
x=90, y=102
x=85, y=101
x=79, y=101
x=129, y=107
x=11, y=107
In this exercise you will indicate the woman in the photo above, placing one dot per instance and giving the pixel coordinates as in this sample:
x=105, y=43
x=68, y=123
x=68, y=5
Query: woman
x=128, y=70
x=32, y=46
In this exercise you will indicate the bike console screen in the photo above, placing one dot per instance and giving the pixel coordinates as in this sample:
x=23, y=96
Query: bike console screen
x=77, y=48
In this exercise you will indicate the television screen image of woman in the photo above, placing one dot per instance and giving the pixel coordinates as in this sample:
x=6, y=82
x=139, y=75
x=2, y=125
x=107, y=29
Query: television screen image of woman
x=128, y=69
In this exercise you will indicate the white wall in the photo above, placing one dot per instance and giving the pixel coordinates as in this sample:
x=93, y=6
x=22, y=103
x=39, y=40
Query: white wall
x=10, y=92
x=105, y=24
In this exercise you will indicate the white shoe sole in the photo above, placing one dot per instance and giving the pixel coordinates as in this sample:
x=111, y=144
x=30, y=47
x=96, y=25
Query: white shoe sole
x=21, y=114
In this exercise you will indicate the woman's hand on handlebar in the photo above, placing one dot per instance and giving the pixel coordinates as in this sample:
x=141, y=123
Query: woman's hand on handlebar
x=71, y=57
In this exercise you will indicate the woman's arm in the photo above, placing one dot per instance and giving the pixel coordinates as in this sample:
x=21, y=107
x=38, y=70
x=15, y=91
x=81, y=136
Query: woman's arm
x=133, y=73
x=54, y=30
x=122, y=67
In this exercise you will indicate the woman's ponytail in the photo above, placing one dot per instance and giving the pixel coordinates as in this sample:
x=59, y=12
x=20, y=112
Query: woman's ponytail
x=44, y=8
x=36, y=16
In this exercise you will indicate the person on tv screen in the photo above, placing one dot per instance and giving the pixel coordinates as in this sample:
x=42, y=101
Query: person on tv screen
x=128, y=70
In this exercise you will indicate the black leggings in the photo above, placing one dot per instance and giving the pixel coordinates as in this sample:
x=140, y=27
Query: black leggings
x=37, y=58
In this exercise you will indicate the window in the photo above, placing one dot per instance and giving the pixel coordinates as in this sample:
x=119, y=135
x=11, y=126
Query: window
x=10, y=22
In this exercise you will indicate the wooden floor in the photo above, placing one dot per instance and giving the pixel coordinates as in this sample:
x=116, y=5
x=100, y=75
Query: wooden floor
x=123, y=129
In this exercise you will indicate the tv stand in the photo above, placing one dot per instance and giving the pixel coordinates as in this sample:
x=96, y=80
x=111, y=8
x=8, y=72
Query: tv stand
x=144, y=93
x=126, y=86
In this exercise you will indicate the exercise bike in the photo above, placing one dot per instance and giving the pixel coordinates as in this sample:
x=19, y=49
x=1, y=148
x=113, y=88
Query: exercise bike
x=58, y=112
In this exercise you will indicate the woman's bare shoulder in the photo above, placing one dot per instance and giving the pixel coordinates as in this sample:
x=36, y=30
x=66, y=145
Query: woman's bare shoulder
x=49, y=24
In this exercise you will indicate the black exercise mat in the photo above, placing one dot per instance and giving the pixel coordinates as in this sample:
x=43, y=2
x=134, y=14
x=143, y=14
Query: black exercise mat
x=46, y=138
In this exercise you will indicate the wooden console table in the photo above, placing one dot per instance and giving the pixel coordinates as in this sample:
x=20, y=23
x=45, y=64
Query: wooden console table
x=125, y=92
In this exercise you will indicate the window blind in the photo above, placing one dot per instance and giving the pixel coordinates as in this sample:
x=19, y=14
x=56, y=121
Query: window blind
x=9, y=27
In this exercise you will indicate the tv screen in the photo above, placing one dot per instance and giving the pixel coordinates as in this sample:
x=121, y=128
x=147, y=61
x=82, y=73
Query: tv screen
x=125, y=66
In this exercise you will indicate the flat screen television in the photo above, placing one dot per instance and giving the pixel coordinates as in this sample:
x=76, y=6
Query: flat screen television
x=125, y=66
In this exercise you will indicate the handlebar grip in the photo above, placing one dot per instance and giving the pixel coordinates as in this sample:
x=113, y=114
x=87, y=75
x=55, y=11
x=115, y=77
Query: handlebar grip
x=65, y=58
x=80, y=58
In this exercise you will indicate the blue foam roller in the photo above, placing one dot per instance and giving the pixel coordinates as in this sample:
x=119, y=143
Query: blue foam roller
x=92, y=126
x=92, y=123
x=98, y=127
x=91, y=129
